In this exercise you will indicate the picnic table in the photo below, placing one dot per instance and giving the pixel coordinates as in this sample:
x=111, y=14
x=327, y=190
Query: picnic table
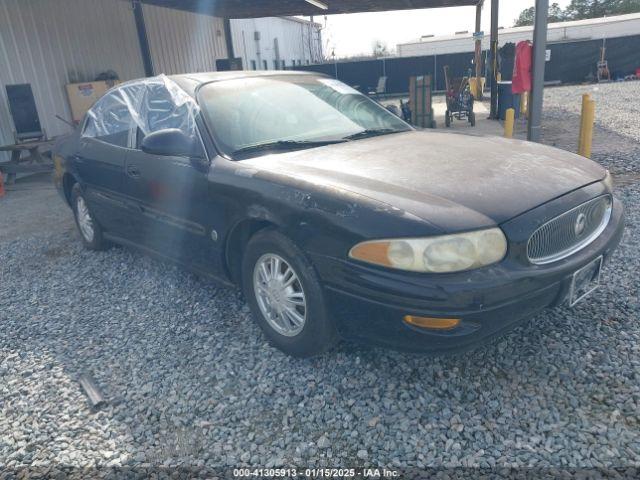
x=37, y=159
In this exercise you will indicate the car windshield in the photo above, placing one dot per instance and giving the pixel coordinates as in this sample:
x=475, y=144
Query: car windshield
x=284, y=112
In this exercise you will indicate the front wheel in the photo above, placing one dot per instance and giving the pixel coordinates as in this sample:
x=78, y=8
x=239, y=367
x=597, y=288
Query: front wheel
x=285, y=296
x=447, y=119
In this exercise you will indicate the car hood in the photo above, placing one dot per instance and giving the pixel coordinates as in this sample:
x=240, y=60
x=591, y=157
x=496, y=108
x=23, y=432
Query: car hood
x=452, y=181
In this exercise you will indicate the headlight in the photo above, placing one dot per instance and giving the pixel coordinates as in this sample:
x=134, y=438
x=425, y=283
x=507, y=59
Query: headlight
x=446, y=253
x=608, y=181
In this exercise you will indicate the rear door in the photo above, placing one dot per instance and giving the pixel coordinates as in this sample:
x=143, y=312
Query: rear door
x=172, y=193
x=99, y=161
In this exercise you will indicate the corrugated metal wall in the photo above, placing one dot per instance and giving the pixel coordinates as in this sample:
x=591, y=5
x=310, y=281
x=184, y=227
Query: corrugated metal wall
x=51, y=43
x=182, y=41
x=297, y=40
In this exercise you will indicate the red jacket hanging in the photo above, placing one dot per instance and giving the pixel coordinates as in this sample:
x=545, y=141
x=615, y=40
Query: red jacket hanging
x=521, y=81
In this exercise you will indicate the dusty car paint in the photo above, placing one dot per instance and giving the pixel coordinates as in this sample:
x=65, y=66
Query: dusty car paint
x=461, y=188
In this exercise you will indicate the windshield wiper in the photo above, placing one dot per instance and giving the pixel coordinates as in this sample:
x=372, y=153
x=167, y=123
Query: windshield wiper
x=286, y=145
x=372, y=132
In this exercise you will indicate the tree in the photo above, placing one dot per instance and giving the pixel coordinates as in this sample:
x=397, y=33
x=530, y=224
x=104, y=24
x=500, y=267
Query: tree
x=628, y=6
x=555, y=13
x=527, y=15
x=525, y=18
x=580, y=9
x=380, y=48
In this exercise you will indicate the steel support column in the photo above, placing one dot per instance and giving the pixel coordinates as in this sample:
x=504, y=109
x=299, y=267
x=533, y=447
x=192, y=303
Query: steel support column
x=229, y=39
x=143, y=40
x=478, y=57
x=494, y=59
x=539, y=58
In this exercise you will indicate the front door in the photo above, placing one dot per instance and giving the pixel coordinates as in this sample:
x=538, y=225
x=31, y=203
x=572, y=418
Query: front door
x=173, y=206
x=99, y=162
x=171, y=192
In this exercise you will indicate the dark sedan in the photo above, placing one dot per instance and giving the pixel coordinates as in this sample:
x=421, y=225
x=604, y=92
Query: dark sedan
x=335, y=217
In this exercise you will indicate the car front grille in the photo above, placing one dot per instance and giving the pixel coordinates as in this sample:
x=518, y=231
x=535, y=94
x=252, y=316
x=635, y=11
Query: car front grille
x=569, y=232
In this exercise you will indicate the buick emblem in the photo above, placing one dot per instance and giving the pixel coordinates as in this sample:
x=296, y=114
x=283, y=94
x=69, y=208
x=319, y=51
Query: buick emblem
x=581, y=223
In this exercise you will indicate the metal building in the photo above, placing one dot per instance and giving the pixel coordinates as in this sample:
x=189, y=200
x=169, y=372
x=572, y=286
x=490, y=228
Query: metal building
x=574, y=31
x=276, y=42
x=49, y=44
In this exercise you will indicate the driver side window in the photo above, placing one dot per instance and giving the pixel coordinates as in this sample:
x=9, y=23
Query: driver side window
x=158, y=111
x=141, y=108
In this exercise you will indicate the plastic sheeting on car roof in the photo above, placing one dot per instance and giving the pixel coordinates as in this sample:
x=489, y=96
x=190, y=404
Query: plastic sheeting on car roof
x=152, y=104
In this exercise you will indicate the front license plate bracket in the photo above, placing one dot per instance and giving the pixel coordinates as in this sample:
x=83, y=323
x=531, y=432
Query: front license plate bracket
x=585, y=281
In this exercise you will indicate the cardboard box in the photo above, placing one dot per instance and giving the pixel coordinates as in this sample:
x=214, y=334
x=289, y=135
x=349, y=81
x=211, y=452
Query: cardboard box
x=83, y=95
x=477, y=87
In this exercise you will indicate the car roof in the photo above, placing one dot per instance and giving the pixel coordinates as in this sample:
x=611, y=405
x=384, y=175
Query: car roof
x=190, y=82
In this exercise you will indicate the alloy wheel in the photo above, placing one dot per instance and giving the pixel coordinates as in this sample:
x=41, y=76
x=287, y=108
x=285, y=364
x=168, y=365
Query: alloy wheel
x=84, y=220
x=279, y=294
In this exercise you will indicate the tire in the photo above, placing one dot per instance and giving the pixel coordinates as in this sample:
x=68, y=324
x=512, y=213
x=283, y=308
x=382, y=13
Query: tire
x=94, y=239
x=472, y=119
x=447, y=118
x=316, y=333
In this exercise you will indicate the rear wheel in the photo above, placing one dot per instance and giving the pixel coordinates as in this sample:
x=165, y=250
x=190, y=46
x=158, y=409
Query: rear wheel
x=90, y=230
x=472, y=119
x=447, y=118
x=285, y=296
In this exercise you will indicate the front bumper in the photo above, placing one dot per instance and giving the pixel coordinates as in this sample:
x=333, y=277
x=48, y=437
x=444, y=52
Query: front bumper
x=369, y=303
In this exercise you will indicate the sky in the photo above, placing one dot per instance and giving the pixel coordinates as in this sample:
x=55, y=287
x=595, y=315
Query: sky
x=354, y=34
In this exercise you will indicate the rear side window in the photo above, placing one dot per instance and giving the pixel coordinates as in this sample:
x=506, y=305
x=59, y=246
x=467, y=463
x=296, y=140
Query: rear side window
x=109, y=121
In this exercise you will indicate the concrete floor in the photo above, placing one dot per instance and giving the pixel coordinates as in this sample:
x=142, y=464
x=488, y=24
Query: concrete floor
x=32, y=206
x=484, y=126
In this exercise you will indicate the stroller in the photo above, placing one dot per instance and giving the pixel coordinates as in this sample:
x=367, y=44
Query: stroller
x=459, y=99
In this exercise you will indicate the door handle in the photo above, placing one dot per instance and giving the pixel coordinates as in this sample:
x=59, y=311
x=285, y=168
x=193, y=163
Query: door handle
x=133, y=171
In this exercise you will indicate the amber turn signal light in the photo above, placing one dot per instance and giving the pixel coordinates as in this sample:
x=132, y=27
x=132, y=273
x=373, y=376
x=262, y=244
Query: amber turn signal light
x=432, y=322
x=372, y=252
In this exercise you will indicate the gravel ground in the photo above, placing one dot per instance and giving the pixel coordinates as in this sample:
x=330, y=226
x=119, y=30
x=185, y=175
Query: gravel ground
x=617, y=131
x=190, y=380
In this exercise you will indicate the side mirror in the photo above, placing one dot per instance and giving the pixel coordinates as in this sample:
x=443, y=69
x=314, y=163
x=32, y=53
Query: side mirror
x=170, y=142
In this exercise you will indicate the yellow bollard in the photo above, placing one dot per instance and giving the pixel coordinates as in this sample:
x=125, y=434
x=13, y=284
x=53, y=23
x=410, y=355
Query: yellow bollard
x=508, y=122
x=524, y=104
x=588, y=120
x=585, y=98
